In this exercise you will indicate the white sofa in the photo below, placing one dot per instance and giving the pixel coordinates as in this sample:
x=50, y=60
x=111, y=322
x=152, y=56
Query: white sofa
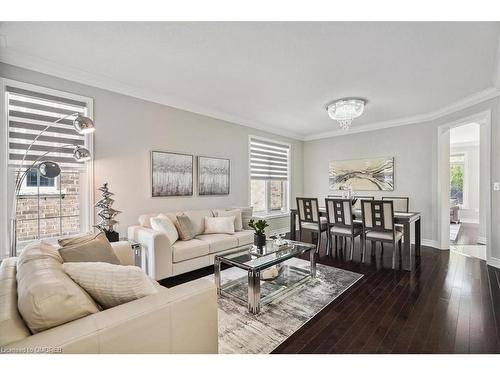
x=165, y=259
x=182, y=319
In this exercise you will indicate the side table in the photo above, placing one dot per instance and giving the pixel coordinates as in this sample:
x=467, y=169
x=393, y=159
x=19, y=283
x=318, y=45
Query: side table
x=140, y=255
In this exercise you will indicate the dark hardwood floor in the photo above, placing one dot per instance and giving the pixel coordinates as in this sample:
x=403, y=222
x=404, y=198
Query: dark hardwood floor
x=450, y=304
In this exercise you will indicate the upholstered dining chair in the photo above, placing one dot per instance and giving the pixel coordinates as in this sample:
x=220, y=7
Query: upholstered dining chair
x=341, y=224
x=311, y=220
x=401, y=204
x=379, y=226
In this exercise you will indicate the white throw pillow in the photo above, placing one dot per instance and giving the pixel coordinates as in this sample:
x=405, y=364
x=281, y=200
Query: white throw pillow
x=163, y=224
x=219, y=225
x=238, y=224
x=110, y=284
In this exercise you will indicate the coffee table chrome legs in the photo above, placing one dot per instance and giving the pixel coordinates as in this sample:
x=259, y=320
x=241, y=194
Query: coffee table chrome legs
x=254, y=292
x=217, y=275
x=313, y=263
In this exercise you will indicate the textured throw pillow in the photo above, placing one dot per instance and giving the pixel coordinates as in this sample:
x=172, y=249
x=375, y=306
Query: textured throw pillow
x=88, y=248
x=238, y=226
x=246, y=215
x=46, y=295
x=219, y=225
x=163, y=224
x=185, y=228
x=111, y=285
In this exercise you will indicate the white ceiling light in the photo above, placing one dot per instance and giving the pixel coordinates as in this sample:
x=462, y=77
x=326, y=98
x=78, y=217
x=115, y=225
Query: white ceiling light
x=345, y=110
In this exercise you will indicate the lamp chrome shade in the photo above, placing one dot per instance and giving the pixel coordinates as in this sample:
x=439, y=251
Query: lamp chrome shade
x=49, y=169
x=81, y=154
x=83, y=125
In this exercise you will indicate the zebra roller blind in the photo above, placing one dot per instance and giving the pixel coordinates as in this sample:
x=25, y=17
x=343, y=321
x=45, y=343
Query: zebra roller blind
x=268, y=160
x=29, y=112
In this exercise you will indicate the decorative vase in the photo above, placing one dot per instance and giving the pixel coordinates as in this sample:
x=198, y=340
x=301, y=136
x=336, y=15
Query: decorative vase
x=259, y=240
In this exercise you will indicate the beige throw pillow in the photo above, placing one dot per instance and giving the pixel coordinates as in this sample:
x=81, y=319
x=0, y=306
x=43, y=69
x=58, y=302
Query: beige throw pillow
x=46, y=295
x=219, y=225
x=88, y=248
x=163, y=224
x=246, y=215
x=238, y=226
x=109, y=284
x=185, y=228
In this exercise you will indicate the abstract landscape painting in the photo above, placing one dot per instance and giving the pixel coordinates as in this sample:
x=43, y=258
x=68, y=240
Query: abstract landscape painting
x=362, y=174
x=172, y=174
x=213, y=176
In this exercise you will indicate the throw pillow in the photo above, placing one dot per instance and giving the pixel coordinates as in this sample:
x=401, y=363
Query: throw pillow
x=163, y=224
x=246, y=215
x=185, y=227
x=88, y=248
x=109, y=284
x=219, y=225
x=46, y=295
x=238, y=225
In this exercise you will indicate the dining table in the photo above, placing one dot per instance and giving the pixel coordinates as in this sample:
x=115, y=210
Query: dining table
x=406, y=219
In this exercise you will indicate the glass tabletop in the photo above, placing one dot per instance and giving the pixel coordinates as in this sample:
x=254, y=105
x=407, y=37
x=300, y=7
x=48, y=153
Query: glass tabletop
x=250, y=258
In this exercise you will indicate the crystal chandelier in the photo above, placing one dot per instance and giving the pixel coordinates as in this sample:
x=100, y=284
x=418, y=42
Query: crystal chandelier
x=345, y=110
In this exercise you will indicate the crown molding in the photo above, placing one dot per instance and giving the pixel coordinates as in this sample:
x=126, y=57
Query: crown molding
x=26, y=61
x=466, y=102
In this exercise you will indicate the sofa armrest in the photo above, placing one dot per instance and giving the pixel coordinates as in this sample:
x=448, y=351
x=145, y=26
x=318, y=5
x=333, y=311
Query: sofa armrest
x=158, y=250
x=124, y=252
x=178, y=320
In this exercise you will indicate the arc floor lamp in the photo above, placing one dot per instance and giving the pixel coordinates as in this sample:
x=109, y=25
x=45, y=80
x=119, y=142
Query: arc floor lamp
x=47, y=168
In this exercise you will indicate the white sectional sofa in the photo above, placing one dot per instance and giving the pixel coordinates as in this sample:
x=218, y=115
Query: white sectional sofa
x=165, y=259
x=182, y=319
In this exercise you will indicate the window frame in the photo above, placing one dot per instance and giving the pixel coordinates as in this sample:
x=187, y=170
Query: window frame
x=87, y=184
x=268, y=212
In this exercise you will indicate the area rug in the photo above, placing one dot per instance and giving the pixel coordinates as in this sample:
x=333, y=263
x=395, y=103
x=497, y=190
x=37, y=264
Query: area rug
x=243, y=333
x=454, y=229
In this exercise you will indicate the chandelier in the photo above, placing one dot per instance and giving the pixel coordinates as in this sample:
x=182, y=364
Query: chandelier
x=345, y=110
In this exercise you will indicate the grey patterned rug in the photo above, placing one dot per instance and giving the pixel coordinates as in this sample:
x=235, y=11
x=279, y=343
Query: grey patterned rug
x=243, y=333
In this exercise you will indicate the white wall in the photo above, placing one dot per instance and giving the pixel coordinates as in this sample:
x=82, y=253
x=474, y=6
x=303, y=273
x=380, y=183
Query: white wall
x=414, y=148
x=127, y=129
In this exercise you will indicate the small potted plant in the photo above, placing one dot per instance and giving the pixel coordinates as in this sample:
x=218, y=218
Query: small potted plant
x=259, y=237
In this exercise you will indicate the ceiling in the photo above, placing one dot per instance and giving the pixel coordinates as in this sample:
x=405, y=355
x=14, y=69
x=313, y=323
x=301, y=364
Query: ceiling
x=276, y=76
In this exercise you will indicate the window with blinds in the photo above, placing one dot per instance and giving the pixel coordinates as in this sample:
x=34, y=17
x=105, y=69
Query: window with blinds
x=46, y=207
x=269, y=175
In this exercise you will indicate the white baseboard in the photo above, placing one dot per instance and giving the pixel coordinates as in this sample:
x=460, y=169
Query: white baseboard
x=431, y=243
x=495, y=262
x=482, y=240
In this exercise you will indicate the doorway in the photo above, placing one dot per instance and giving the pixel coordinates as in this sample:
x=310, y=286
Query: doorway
x=464, y=186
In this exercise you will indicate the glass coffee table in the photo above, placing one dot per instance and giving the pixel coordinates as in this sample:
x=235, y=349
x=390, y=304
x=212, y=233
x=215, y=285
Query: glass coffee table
x=257, y=263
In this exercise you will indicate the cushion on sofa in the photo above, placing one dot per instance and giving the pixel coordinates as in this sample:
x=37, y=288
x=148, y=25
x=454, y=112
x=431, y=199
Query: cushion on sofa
x=110, y=284
x=245, y=237
x=218, y=242
x=215, y=225
x=237, y=217
x=197, y=217
x=163, y=224
x=184, y=250
x=185, y=227
x=88, y=248
x=12, y=327
x=246, y=215
x=47, y=297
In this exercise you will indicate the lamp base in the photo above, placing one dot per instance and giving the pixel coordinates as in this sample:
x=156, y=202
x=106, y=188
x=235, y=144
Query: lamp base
x=112, y=236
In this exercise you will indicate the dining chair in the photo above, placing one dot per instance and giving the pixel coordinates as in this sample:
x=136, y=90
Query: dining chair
x=341, y=224
x=401, y=204
x=311, y=220
x=379, y=226
x=357, y=205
